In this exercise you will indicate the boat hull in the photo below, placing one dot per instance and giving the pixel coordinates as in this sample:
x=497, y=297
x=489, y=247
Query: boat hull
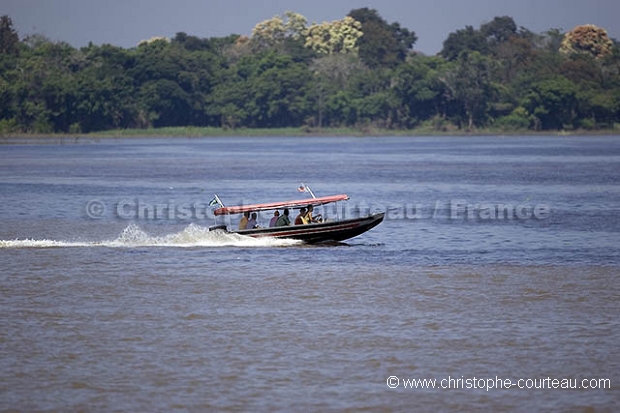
x=321, y=232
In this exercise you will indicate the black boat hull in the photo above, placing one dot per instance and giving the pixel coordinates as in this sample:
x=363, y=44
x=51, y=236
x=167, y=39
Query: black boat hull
x=321, y=232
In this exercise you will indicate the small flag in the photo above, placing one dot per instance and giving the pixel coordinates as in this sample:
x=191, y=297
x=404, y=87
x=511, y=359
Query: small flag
x=214, y=201
x=305, y=188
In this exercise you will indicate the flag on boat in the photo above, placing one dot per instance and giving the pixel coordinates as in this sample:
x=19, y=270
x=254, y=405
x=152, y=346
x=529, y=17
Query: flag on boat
x=305, y=188
x=215, y=201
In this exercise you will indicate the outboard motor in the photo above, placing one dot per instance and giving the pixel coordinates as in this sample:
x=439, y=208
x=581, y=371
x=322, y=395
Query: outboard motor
x=218, y=227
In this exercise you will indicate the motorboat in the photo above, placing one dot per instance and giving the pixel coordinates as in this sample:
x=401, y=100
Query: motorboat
x=328, y=230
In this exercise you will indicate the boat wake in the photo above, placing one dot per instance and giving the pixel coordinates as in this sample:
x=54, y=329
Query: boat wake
x=134, y=237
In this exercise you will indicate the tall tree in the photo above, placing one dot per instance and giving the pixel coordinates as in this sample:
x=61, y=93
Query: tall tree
x=331, y=77
x=418, y=87
x=9, y=40
x=499, y=30
x=463, y=40
x=552, y=102
x=470, y=86
x=382, y=44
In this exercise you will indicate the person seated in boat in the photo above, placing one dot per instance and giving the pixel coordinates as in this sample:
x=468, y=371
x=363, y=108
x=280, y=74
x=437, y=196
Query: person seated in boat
x=273, y=221
x=283, y=220
x=243, y=223
x=301, y=218
x=312, y=218
x=252, y=222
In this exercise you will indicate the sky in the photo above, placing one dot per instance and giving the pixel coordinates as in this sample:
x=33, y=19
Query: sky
x=127, y=22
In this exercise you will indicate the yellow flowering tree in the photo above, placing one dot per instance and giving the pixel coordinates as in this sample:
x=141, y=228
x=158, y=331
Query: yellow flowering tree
x=269, y=33
x=339, y=36
x=154, y=39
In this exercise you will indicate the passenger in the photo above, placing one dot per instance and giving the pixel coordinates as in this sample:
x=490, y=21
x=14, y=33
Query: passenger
x=273, y=221
x=243, y=223
x=283, y=220
x=310, y=218
x=301, y=218
x=252, y=221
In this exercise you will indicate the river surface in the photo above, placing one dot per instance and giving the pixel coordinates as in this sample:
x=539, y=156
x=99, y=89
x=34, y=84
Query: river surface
x=497, y=265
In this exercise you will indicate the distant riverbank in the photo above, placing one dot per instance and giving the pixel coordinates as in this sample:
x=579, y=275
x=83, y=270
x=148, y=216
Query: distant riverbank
x=200, y=132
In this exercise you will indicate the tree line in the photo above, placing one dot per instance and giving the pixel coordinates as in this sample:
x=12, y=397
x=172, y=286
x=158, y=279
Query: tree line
x=360, y=71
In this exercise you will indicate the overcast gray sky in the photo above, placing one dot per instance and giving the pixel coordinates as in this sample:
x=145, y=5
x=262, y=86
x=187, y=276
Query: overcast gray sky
x=126, y=22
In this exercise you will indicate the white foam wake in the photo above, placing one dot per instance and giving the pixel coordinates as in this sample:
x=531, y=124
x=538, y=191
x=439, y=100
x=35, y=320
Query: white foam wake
x=134, y=237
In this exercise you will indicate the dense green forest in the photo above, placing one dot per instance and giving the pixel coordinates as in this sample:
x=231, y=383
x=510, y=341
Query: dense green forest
x=359, y=72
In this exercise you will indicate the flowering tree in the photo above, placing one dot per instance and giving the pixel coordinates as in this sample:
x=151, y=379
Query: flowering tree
x=589, y=39
x=273, y=31
x=339, y=36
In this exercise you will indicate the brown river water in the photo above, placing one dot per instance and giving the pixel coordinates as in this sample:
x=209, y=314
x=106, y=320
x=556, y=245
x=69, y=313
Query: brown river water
x=442, y=307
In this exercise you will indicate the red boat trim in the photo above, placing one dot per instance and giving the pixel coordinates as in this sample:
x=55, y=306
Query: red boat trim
x=280, y=205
